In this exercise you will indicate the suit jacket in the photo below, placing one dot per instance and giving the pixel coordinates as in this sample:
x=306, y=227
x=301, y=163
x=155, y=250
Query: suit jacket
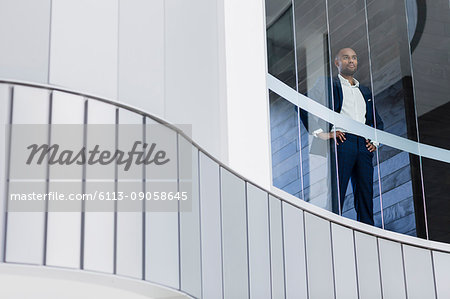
x=319, y=146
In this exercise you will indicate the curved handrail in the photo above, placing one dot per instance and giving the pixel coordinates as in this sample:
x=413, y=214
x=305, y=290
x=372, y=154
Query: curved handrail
x=358, y=128
x=279, y=194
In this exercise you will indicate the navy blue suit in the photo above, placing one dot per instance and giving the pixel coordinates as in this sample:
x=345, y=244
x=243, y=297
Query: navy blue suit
x=367, y=94
x=354, y=160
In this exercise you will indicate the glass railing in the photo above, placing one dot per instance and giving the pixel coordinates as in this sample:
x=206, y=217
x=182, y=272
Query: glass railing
x=315, y=168
x=401, y=58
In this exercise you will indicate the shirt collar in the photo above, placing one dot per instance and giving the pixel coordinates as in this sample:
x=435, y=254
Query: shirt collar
x=346, y=82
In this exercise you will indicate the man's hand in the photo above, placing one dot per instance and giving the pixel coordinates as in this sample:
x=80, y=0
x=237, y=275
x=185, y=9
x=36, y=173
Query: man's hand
x=370, y=147
x=339, y=136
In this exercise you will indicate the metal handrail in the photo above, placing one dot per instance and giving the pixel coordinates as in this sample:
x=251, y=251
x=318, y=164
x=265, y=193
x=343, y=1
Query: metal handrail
x=332, y=117
x=277, y=193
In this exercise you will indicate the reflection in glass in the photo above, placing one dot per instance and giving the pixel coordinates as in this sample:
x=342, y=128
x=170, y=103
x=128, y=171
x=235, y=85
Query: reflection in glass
x=394, y=96
x=313, y=73
x=436, y=180
x=285, y=145
x=280, y=43
x=318, y=166
x=406, y=66
x=347, y=28
x=397, y=191
x=311, y=37
x=431, y=67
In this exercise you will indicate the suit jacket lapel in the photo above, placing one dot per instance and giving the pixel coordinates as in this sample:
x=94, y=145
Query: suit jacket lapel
x=365, y=94
x=337, y=95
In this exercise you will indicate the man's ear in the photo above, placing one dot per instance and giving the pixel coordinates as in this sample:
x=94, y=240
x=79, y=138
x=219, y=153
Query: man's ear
x=336, y=62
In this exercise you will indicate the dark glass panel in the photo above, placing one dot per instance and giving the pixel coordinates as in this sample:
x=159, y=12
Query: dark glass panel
x=431, y=73
x=394, y=97
x=280, y=44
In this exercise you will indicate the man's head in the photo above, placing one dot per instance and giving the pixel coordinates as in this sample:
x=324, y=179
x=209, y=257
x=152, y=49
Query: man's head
x=346, y=61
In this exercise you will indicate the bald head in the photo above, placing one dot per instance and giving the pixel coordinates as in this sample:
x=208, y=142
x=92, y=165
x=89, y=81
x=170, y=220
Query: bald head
x=346, y=61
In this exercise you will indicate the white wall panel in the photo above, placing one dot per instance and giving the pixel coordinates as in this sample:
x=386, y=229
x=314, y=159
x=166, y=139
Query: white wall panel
x=64, y=228
x=276, y=248
x=392, y=276
x=4, y=120
x=234, y=236
x=99, y=226
x=190, y=241
x=162, y=248
x=367, y=266
x=129, y=255
x=24, y=32
x=192, y=70
x=441, y=263
x=418, y=272
x=26, y=231
x=246, y=89
x=141, y=54
x=162, y=225
x=210, y=228
x=84, y=42
x=319, y=257
x=344, y=262
x=294, y=252
x=258, y=242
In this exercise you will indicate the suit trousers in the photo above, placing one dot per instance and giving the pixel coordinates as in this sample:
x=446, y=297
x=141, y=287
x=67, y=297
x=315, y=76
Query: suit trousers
x=354, y=161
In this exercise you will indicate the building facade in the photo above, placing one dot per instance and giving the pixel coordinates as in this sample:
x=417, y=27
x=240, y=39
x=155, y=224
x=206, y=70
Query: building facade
x=260, y=222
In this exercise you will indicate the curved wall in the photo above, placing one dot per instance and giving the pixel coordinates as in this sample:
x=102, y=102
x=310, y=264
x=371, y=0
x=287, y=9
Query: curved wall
x=54, y=283
x=239, y=240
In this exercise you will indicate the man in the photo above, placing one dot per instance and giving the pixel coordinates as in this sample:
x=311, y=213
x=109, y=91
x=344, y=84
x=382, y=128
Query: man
x=354, y=153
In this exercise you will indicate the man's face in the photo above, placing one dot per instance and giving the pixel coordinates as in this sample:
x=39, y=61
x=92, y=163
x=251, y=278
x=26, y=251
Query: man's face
x=346, y=62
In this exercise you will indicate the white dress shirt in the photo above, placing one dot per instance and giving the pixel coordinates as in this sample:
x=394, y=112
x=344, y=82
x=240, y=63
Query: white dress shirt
x=353, y=104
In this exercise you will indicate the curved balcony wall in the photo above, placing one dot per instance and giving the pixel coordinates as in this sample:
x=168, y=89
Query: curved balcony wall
x=237, y=241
